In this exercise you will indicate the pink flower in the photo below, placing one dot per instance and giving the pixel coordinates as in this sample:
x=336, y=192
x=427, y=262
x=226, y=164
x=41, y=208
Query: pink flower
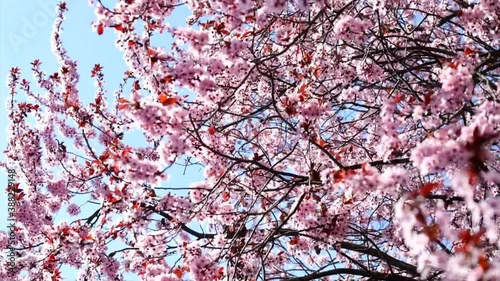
x=73, y=209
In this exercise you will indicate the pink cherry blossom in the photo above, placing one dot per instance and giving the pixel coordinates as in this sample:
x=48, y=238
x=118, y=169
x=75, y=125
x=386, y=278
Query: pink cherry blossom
x=333, y=139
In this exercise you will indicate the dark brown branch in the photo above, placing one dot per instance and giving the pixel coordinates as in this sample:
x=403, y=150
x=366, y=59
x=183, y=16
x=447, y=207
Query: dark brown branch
x=380, y=163
x=187, y=229
x=374, y=252
x=351, y=271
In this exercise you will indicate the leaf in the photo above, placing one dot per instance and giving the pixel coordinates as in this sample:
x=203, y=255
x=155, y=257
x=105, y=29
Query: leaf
x=294, y=241
x=245, y=34
x=89, y=237
x=321, y=142
x=110, y=198
x=303, y=97
x=122, y=100
x=316, y=197
x=168, y=79
x=100, y=29
x=113, y=179
x=137, y=86
x=19, y=196
x=453, y=65
x=166, y=100
x=15, y=187
x=211, y=131
x=476, y=135
x=302, y=89
x=56, y=275
x=317, y=72
x=126, y=151
x=283, y=215
x=119, y=27
x=52, y=258
x=432, y=231
x=307, y=58
x=427, y=97
x=473, y=176
x=338, y=176
x=428, y=188
x=483, y=263
x=398, y=98
x=317, y=249
x=124, y=188
x=290, y=110
x=123, y=106
x=98, y=100
x=178, y=272
x=66, y=230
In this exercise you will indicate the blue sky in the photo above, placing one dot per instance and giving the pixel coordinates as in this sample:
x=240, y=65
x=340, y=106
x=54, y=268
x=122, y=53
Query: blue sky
x=25, y=36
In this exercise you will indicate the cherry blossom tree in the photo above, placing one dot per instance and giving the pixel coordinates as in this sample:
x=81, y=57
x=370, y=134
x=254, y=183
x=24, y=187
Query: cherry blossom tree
x=339, y=140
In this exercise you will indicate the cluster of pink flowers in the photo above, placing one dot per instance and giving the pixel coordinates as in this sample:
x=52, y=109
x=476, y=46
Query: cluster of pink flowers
x=351, y=28
x=357, y=135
